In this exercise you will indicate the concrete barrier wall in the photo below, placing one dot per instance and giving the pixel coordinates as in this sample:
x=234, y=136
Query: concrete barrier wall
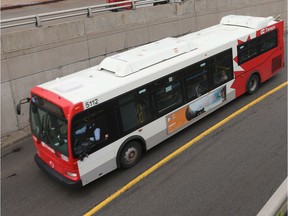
x=33, y=56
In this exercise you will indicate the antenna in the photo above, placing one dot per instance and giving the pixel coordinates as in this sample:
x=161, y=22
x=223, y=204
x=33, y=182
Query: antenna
x=277, y=18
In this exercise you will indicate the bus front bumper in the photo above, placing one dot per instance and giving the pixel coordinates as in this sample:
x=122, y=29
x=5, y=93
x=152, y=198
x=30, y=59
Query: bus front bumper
x=51, y=172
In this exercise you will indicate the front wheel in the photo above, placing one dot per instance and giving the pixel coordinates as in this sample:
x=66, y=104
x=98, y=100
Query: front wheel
x=253, y=84
x=130, y=154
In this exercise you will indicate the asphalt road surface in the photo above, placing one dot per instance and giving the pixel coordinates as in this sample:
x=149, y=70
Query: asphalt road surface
x=232, y=171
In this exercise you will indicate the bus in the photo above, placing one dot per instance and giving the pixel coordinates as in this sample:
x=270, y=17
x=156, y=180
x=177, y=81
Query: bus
x=94, y=121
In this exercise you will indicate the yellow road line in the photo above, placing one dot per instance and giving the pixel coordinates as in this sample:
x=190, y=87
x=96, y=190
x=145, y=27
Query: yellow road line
x=180, y=150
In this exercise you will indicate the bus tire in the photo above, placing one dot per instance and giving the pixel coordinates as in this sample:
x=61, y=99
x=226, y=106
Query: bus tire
x=253, y=84
x=130, y=154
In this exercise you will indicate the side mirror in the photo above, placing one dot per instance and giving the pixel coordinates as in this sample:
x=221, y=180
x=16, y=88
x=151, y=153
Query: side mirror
x=18, y=109
x=23, y=101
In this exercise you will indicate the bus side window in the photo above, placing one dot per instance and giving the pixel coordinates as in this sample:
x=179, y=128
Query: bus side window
x=248, y=50
x=91, y=129
x=255, y=47
x=142, y=106
x=243, y=55
x=268, y=41
x=134, y=109
x=197, y=84
x=168, y=95
x=223, y=68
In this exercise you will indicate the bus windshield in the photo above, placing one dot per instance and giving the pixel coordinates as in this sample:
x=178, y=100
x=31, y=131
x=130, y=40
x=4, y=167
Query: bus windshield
x=49, y=128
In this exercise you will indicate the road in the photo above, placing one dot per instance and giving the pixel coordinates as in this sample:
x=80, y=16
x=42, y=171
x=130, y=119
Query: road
x=232, y=171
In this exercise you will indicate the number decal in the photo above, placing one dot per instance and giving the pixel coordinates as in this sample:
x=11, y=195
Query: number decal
x=91, y=103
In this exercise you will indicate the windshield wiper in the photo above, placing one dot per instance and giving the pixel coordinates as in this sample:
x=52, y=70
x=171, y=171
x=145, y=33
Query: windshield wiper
x=43, y=127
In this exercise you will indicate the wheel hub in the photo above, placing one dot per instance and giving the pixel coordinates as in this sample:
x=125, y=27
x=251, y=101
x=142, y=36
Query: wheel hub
x=130, y=155
x=252, y=84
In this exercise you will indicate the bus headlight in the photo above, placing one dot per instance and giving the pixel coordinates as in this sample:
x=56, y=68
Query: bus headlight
x=71, y=174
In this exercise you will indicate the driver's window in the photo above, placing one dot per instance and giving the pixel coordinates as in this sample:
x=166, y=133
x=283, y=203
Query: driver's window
x=89, y=130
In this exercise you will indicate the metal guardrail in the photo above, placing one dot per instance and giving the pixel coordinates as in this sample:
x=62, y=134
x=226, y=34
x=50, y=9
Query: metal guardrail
x=88, y=11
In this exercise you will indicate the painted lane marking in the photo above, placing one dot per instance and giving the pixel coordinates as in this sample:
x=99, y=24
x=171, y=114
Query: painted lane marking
x=180, y=150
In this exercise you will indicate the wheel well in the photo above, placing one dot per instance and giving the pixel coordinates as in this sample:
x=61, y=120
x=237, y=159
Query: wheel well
x=138, y=139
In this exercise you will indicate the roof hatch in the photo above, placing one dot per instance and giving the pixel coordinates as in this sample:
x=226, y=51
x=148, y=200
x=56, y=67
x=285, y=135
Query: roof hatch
x=136, y=59
x=68, y=86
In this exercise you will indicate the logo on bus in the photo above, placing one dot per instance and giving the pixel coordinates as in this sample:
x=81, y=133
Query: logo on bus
x=267, y=29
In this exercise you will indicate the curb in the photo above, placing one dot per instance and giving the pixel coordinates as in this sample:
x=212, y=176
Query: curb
x=15, y=137
x=7, y=7
x=277, y=204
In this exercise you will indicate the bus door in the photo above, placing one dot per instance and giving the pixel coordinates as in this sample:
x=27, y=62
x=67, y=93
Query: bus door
x=91, y=132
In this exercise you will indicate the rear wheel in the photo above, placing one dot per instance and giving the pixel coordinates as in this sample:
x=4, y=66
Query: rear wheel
x=253, y=84
x=130, y=154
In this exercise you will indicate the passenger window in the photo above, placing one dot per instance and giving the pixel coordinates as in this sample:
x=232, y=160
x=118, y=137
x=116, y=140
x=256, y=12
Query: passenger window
x=197, y=84
x=134, y=109
x=223, y=69
x=268, y=44
x=253, y=48
x=256, y=46
x=248, y=51
x=168, y=95
x=243, y=53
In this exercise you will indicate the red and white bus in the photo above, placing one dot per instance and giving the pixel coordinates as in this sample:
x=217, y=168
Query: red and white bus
x=89, y=123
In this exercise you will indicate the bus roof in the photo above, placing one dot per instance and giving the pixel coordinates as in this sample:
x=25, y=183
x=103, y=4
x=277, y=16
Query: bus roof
x=122, y=72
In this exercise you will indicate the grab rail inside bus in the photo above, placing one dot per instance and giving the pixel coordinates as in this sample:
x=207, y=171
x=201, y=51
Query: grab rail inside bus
x=88, y=11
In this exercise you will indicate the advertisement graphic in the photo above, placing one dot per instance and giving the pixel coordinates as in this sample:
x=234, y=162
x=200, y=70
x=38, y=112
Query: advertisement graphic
x=182, y=116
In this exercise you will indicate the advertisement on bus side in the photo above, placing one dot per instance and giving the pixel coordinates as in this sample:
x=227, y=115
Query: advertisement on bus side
x=182, y=116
